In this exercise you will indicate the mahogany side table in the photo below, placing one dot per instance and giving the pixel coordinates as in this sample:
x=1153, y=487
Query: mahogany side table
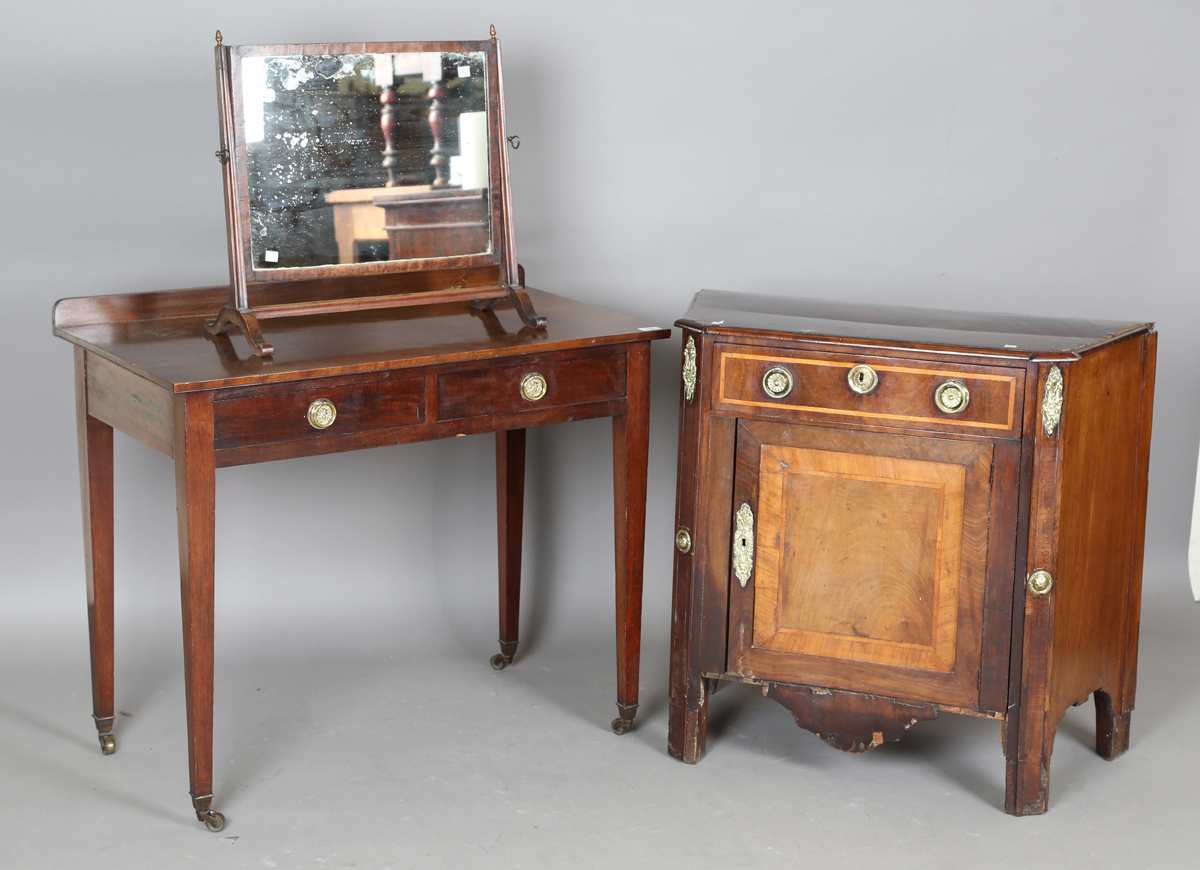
x=145, y=365
x=885, y=513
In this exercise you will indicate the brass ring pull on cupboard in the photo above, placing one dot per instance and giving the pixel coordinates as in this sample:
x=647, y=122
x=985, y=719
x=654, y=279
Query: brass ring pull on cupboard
x=951, y=397
x=533, y=386
x=321, y=414
x=862, y=379
x=777, y=382
x=1040, y=582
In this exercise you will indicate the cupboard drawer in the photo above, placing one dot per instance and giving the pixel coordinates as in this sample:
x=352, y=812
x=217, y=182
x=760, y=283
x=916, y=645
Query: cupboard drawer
x=530, y=386
x=281, y=413
x=984, y=400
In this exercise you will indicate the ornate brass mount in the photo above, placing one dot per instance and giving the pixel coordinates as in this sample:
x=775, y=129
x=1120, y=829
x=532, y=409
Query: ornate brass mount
x=951, y=397
x=777, y=382
x=683, y=541
x=689, y=370
x=743, y=544
x=1052, y=400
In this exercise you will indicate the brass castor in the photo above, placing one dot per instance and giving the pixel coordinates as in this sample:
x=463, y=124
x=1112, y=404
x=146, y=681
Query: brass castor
x=213, y=820
x=624, y=722
x=107, y=744
x=503, y=659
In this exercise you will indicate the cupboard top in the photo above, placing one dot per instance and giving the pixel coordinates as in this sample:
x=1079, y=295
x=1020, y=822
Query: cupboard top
x=1019, y=336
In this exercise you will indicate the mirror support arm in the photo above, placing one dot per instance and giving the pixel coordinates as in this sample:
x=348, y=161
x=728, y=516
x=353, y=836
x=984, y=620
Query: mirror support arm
x=243, y=320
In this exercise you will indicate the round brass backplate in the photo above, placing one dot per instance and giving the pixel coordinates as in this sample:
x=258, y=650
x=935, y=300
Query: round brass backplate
x=1040, y=582
x=777, y=382
x=951, y=397
x=862, y=379
x=533, y=386
x=683, y=541
x=321, y=414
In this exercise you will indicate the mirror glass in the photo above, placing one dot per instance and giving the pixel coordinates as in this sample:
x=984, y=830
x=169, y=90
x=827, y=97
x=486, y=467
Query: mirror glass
x=355, y=158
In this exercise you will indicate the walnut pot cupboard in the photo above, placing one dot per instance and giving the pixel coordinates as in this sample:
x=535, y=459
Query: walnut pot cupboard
x=884, y=513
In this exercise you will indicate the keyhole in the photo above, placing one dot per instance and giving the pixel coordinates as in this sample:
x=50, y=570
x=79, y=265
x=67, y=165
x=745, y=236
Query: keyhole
x=861, y=379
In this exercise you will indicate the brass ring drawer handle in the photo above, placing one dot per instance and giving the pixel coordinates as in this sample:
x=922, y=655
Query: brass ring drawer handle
x=321, y=414
x=862, y=379
x=777, y=382
x=951, y=397
x=533, y=386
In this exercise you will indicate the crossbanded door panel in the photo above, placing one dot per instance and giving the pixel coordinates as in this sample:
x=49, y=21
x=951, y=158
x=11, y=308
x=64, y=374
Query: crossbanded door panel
x=869, y=561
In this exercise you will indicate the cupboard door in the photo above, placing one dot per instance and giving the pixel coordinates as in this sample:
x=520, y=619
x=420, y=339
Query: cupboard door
x=866, y=563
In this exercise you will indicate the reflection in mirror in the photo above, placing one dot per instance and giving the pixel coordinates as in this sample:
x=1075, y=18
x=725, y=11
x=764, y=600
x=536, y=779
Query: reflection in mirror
x=360, y=157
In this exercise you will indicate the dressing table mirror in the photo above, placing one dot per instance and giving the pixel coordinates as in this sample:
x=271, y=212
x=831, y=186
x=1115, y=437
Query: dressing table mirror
x=361, y=176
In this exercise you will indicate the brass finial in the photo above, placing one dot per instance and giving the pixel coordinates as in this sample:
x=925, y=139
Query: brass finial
x=218, y=37
x=493, y=28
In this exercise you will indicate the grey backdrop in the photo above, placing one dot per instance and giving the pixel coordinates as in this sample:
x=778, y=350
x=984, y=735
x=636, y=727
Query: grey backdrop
x=1034, y=157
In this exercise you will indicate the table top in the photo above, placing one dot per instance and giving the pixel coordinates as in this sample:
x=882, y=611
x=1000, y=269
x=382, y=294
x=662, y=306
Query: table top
x=161, y=336
x=1015, y=335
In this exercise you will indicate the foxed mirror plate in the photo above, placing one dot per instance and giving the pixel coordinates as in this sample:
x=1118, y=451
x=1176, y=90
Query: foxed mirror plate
x=365, y=161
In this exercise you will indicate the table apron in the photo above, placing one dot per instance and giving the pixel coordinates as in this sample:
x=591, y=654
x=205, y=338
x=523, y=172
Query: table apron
x=418, y=432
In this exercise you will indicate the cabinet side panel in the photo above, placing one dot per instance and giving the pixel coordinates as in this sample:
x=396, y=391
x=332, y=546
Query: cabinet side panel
x=716, y=505
x=1133, y=616
x=1099, y=525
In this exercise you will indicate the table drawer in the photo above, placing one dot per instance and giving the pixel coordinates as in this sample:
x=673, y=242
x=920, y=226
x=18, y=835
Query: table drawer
x=338, y=407
x=530, y=386
x=984, y=400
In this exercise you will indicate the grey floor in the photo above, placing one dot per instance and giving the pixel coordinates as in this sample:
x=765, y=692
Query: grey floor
x=354, y=745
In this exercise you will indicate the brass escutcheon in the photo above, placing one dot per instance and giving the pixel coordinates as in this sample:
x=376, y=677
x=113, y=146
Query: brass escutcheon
x=862, y=379
x=321, y=414
x=1040, y=582
x=951, y=397
x=683, y=541
x=743, y=544
x=533, y=386
x=777, y=382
